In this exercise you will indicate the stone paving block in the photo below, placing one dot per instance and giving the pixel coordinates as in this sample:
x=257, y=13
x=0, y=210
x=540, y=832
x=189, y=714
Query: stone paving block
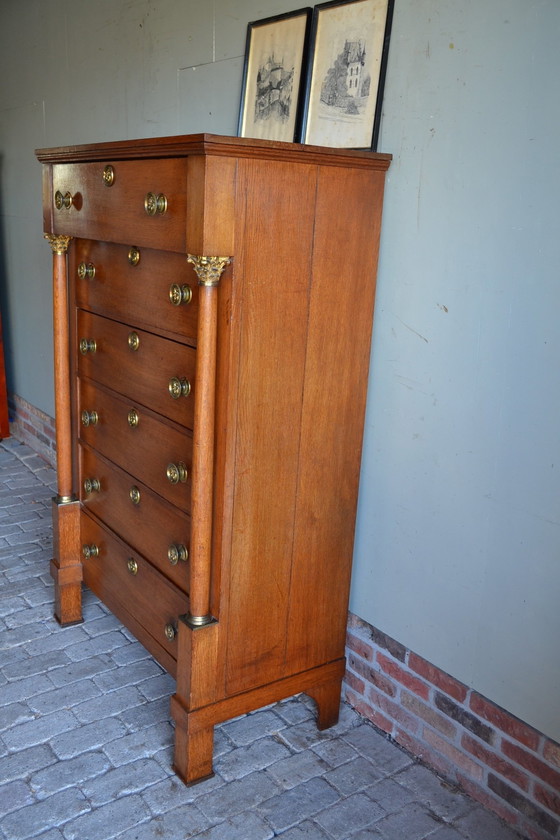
x=65, y=774
x=378, y=749
x=107, y=821
x=182, y=822
x=241, y=761
x=294, y=711
x=131, y=653
x=70, y=672
x=304, y=735
x=59, y=638
x=26, y=666
x=480, y=823
x=245, y=730
x=107, y=705
x=353, y=776
x=444, y=800
x=298, y=768
x=241, y=827
x=18, y=636
x=237, y=796
x=297, y=804
x=334, y=751
x=142, y=744
x=93, y=647
x=40, y=730
x=149, y=713
x=92, y=736
x=349, y=815
x=122, y=781
x=11, y=605
x=14, y=795
x=15, y=714
x=305, y=831
x=390, y=795
x=33, y=614
x=171, y=793
x=20, y=764
x=64, y=698
x=129, y=674
x=449, y=833
x=161, y=686
x=25, y=688
x=49, y=813
x=413, y=821
x=102, y=624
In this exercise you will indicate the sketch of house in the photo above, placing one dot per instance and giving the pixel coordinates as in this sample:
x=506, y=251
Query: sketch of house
x=346, y=79
x=274, y=90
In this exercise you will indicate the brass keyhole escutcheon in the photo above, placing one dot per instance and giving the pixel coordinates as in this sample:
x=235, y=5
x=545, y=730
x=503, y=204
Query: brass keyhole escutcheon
x=87, y=345
x=86, y=270
x=134, y=494
x=108, y=175
x=132, y=566
x=134, y=255
x=155, y=204
x=177, y=473
x=170, y=632
x=133, y=418
x=177, y=552
x=90, y=551
x=92, y=485
x=180, y=294
x=179, y=387
x=90, y=418
x=133, y=340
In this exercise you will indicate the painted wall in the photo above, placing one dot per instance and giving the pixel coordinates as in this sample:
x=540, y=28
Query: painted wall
x=457, y=550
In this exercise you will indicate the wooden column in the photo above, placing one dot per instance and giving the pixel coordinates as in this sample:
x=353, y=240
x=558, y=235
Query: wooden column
x=66, y=567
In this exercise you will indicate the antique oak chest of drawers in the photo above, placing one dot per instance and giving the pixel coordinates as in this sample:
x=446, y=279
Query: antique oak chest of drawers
x=213, y=304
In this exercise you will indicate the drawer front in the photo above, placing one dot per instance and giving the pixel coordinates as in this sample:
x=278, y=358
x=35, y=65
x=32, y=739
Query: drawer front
x=119, y=576
x=118, y=213
x=155, y=529
x=141, y=294
x=153, y=371
x=147, y=450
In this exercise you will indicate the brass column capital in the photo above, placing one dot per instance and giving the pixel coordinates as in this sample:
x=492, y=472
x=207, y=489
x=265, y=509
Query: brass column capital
x=208, y=269
x=59, y=244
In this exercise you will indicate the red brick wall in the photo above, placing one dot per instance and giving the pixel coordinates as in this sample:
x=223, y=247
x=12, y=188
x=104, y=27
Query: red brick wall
x=32, y=426
x=496, y=758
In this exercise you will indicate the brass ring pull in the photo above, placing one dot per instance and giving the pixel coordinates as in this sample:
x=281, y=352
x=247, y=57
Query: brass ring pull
x=87, y=345
x=63, y=202
x=177, y=552
x=132, y=566
x=170, y=632
x=177, y=473
x=133, y=255
x=179, y=387
x=92, y=485
x=108, y=175
x=90, y=551
x=155, y=204
x=134, y=494
x=133, y=340
x=90, y=418
x=86, y=271
x=180, y=294
x=133, y=418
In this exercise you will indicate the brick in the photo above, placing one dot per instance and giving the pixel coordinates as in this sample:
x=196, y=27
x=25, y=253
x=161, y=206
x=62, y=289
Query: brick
x=379, y=638
x=455, y=755
x=355, y=683
x=504, y=721
x=437, y=677
x=548, y=798
x=522, y=804
x=551, y=752
x=360, y=646
x=484, y=823
x=438, y=721
x=423, y=752
x=465, y=718
x=402, y=676
x=495, y=762
x=532, y=763
x=372, y=676
x=367, y=710
x=393, y=710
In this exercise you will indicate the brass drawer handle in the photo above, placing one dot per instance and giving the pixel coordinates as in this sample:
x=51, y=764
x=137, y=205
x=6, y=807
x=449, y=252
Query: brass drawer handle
x=86, y=270
x=108, y=175
x=90, y=418
x=133, y=418
x=170, y=632
x=87, y=345
x=179, y=387
x=134, y=494
x=133, y=255
x=155, y=204
x=180, y=294
x=92, y=485
x=177, y=552
x=177, y=473
x=90, y=551
x=132, y=566
x=133, y=340
x=63, y=202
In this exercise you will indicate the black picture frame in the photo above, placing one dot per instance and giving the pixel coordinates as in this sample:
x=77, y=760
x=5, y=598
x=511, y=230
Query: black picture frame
x=274, y=76
x=349, y=49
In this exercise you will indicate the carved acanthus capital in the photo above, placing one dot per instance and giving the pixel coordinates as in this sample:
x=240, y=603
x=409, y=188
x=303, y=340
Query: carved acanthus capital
x=208, y=269
x=59, y=244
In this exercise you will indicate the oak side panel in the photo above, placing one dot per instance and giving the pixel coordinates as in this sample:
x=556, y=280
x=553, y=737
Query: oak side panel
x=336, y=375
x=273, y=274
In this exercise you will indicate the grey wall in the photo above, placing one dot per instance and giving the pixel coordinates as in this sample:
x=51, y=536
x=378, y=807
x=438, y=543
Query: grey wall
x=457, y=551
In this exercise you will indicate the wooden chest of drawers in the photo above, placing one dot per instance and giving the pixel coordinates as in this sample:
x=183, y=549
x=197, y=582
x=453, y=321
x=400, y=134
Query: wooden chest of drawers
x=213, y=303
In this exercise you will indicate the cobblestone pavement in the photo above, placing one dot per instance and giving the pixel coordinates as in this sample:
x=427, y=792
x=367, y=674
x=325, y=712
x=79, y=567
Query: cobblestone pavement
x=86, y=739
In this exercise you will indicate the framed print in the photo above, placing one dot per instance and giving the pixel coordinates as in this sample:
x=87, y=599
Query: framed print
x=274, y=77
x=346, y=73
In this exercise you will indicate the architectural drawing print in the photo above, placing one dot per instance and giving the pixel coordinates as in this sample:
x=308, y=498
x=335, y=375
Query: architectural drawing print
x=275, y=82
x=346, y=85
